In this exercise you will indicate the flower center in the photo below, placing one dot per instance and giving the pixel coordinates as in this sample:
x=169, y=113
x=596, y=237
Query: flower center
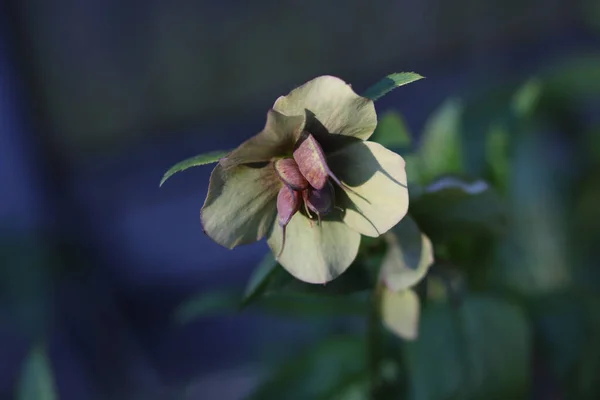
x=306, y=179
x=306, y=174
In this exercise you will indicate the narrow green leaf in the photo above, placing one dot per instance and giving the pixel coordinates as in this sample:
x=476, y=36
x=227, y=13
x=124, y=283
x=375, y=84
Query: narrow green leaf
x=309, y=305
x=259, y=280
x=400, y=312
x=498, y=163
x=391, y=131
x=441, y=147
x=200, y=159
x=526, y=98
x=358, y=278
x=36, y=381
x=210, y=303
x=408, y=256
x=390, y=83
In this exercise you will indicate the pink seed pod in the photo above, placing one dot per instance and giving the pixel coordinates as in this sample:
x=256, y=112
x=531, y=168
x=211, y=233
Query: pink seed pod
x=311, y=162
x=319, y=201
x=288, y=172
x=288, y=203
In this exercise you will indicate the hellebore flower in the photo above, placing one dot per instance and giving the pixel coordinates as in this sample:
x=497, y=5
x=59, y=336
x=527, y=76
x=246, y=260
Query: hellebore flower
x=310, y=182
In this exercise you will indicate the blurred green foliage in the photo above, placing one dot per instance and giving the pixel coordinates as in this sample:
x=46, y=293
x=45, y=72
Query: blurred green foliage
x=509, y=306
x=37, y=382
x=505, y=186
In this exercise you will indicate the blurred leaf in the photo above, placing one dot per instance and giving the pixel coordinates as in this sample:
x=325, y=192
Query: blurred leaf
x=408, y=256
x=391, y=131
x=589, y=12
x=357, y=278
x=356, y=387
x=200, y=159
x=209, y=303
x=400, y=312
x=441, y=147
x=300, y=302
x=577, y=77
x=497, y=143
x=451, y=205
x=36, y=381
x=479, y=351
x=527, y=97
x=337, y=362
x=533, y=258
x=310, y=305
x=390, y=83
x=568, y=331
x=592, y=139
x=259, y=279
x=559, y=319
x=413, y=169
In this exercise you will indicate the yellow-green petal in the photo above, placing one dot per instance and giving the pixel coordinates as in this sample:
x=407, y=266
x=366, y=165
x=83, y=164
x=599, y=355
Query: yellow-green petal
x=377, y=176
x=277, y=139
x=240, y=206
x=334, y=104
x=408, y=256
x=315, y=253
x=400, y=312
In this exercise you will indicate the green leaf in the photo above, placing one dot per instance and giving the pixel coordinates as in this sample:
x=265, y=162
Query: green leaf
x=408, y=256
x=309, y=305
x=497, y=143
x=481, y=350
x=391, y=131
x=36, y=381
x=390, y=83
x=450, y=206
x=315, y=371
x=200, y=159
x=206, y=304
x=335, y=105
x=413, y=168
x=560, y=319
x=400, y=312
x=378, y=199
x=527, y=97
x=357, y=278
x=441, y=147
x=592, y=143
x=259, y=280
x=535, y=256
x=577, y=77
x=568, y=337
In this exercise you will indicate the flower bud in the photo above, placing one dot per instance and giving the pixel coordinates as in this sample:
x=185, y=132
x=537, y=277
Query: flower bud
x=319, y=201
x=288, y=172
x=288, y=203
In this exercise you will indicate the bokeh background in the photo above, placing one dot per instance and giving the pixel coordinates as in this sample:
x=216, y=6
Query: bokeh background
x=99, y=98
